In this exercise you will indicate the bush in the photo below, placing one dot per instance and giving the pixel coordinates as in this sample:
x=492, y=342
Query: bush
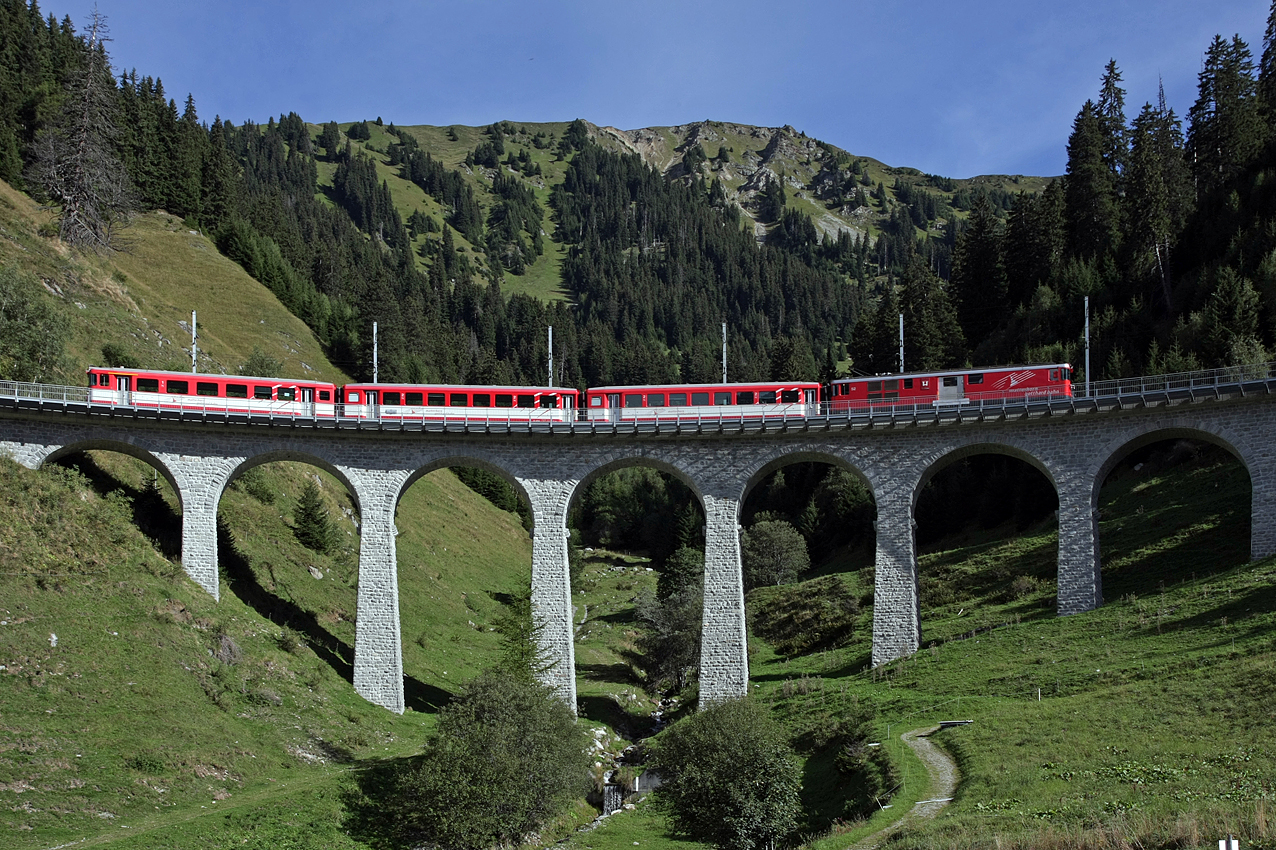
x=730, y=777
x=261, y=365
x=813, y=615
x=507, y=757
x=772, y=551
x=117, y=356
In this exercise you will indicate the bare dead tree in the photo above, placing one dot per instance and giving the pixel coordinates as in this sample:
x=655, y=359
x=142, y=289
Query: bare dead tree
x=75, y=161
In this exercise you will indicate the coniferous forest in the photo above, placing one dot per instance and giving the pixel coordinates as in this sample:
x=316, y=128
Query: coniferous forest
x=1167, y=222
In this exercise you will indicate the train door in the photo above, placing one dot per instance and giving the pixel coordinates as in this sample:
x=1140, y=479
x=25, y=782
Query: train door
x=370, y=399
x=613, y=406
x=952, y=388
x=307, y=398
x=123, y=387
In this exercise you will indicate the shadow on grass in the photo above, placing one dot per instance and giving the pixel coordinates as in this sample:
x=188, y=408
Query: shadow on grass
x=374, y=810
x=333, y=651
x=620, y=674
x=152, y=515
x=604, y=709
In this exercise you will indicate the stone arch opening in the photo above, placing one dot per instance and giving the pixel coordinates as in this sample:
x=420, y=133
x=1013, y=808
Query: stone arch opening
x=823, y=507
x=987, y=538
x=137, y=475
x=288, y=545
x=463, y=554
x=637, y=556
x=1172, y=505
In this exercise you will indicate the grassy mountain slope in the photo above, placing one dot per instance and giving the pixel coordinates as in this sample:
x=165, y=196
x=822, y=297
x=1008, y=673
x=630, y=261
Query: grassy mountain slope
x=753, y=155
x=141, y=298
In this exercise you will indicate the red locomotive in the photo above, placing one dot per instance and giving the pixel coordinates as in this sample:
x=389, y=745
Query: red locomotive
x=150, y=389
x=964, y=386
x=671, y=402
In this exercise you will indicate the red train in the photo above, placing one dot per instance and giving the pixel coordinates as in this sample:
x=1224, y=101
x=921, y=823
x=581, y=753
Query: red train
x=659, y=402
x=962, y=386
x=150, y=389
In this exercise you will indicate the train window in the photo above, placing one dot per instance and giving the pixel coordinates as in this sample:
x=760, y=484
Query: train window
x=744, y=397
x=677, y=399
x=699, y=399
x=459, y=400
x=789, y=396
x=482, y=399
x=177, y=387
x=633, y=399
x=950, y=380
x=722, y=398
x=525, y=400
x=1054, y=374
x=241, y=391
x=974, y=379
x=655, y=399
x=412, y=399
x=891, y=386
x=436, y=399
x=504, y=400
x=766, y=397
x=265, y=393
x=324, y=395
x=388, y=397
x=594, y=401
x=287, y=394
x=1067, y=374
x=206, y=388
x=148, y=385
x=908, y=383
x=549, y=400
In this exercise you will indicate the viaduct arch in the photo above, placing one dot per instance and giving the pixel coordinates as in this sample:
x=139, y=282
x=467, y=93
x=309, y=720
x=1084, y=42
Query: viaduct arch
x=1074, y=445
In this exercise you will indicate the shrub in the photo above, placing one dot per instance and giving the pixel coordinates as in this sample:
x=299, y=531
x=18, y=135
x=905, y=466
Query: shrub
x=772, y=551
x=507, y=757
x=730, y=778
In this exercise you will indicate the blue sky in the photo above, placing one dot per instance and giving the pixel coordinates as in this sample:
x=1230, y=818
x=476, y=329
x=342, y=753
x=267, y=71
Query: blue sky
x=952, y=88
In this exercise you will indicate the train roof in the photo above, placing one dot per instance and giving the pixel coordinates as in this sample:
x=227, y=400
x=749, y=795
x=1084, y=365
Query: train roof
x=132, y=370
x=707, y=386
x=986, y=370
x=466, y=387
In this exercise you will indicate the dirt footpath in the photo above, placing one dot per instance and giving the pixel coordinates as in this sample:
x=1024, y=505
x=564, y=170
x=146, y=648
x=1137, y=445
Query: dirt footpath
x=943, y=784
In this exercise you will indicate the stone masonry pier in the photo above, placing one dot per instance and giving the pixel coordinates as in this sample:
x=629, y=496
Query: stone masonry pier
x=1074, y=444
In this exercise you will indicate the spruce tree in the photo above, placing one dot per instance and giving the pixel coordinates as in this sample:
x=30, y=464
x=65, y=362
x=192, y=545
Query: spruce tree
x=1225, y=129
x=76, y=165
x=310, y=520
x=1090, y=191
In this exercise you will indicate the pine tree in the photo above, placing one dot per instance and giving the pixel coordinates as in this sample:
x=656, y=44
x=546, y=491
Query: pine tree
x=310, y=520
x=1111, y=113
x=1159, y=194
x=1225, y=126
x=978, y=275
x=1090, y=194
x=76, y=162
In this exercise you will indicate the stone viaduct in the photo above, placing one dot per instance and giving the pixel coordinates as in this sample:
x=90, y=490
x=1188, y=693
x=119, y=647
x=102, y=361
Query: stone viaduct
x=1073, y=442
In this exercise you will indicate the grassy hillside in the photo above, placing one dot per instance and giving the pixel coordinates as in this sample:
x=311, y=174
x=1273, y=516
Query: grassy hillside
x=141, y=297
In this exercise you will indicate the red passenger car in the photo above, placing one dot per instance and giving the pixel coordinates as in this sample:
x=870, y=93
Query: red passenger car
x=149, y=389
x=674, y=402
x=437, y=402
x=963, y=386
